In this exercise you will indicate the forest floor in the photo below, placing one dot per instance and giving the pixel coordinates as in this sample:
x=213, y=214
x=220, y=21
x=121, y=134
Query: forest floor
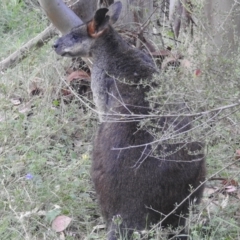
x=46, y=134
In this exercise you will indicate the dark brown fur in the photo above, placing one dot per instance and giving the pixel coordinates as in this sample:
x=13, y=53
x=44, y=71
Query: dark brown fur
x=130, y=182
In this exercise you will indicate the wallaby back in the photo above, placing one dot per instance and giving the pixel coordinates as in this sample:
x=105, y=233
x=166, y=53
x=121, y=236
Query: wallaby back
x=130, y=182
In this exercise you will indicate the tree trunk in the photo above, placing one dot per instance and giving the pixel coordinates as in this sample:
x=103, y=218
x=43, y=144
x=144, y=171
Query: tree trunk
x=84, y=9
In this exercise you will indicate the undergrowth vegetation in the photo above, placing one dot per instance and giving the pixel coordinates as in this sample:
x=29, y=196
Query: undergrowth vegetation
x=46, y=139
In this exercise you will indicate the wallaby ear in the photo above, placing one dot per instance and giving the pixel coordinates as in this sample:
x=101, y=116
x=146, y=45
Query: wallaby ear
x=99, y=22
x=114, y=11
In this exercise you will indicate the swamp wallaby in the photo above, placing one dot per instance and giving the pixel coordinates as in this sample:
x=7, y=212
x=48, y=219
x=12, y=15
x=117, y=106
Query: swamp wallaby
x=132, y=185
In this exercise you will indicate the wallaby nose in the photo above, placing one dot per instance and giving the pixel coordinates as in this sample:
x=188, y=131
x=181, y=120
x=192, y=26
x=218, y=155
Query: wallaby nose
x=55, y=45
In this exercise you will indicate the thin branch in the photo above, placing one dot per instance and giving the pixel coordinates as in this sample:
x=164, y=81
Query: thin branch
x=165, y=137
x=138, y=117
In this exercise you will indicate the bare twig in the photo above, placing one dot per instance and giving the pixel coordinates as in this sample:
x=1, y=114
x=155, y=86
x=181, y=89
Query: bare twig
x=127, y=117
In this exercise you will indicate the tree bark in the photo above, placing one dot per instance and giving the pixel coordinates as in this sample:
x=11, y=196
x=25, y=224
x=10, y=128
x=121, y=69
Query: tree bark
x=84, y=9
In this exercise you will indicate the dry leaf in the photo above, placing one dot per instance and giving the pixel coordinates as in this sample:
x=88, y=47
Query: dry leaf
x=78, y=75
x=15, y=101
x=69, y=70
x=25, y=108
x=229, y=189
x=34, y=88
x=65, y=92
x=197, y=72
x=229, y=182
x=237, y=155
x=60, y=223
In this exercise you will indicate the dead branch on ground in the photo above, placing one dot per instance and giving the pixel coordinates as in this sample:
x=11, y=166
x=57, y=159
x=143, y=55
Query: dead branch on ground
x=33, y=44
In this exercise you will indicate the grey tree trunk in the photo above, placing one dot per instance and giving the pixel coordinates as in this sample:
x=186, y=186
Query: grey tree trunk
x=83, y=8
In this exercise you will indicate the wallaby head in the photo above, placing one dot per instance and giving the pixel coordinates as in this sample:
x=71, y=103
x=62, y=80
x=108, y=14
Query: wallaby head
x=81, y=39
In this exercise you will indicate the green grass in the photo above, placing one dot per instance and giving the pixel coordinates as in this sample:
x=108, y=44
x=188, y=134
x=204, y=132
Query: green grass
x=46, y=142
x=49, y=143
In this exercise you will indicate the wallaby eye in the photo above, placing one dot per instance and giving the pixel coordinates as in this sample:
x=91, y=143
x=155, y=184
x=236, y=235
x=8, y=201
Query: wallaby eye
x=75, y=36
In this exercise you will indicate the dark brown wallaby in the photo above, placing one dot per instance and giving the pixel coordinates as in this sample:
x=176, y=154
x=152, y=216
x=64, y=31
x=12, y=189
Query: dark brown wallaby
x=134, y=188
